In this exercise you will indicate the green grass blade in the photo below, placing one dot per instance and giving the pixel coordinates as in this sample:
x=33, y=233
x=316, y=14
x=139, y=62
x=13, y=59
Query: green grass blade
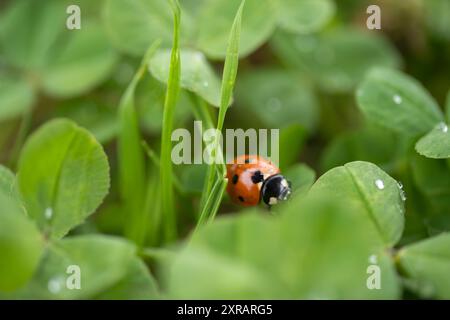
x=152, y=211
x=154, y=158
x=131, y=156
x=173, y=88
x=228, y=81
x=201, y=112
x=213, y=202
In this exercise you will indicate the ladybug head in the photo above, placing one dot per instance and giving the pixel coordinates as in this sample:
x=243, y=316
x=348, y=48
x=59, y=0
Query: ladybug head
x=274, y=189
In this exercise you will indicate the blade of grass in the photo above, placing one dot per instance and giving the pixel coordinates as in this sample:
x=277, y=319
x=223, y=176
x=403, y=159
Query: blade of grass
x=213, y=202
x=201, y=112
x=152, y=210
x=131, y=156
x=154, y=158
x=228, y=81
x=173, y=88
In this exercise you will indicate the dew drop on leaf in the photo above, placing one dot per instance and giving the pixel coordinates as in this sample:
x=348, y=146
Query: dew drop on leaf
x=397, y=99
x=48, y=213
x=403, y=195
x=373, y=259
x=54, y=285
x=402, y=192
x=380, y=184
x=443, y=127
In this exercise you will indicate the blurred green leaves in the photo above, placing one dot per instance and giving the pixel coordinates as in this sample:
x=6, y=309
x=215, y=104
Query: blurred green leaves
x=63, y=176
x=60, y=62
x=216, y=16
x=398, y=102
x=297, y=255
x=426, y=265
x=370, y=143
x=324, y=57
x=85, y=61
x=16, y=97
x=432, y=178
x=319, y=244
x=21, y=244
x=8, y=183
x=132, y=25
x=305, y=16
x=301, y=177
x=106, y=264
x=196, y=74
x=277, y=97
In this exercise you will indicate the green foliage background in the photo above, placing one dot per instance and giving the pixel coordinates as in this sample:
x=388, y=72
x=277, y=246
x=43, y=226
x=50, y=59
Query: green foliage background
x=85, y=123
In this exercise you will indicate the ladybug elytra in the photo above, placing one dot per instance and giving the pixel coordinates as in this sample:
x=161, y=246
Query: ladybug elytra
x=252, y=178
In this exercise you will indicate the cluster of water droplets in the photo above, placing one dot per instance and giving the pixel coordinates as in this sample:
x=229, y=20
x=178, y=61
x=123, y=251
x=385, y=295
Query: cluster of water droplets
x=402, y=192
x=380, y=186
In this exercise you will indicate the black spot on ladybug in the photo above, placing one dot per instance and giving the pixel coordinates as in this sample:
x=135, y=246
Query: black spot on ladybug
x=235, y=179
x=241, y=199
x=257, y=177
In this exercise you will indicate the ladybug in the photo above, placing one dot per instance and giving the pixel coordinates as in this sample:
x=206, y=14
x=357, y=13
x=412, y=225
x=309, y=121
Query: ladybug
x=252, y=178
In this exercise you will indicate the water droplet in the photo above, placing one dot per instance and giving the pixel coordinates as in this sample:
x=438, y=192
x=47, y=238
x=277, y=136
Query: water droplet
x=403, y=195
x=274, y=104
x=443, y=127
x=373, y=259
x=397, y=99
x=205, y=83
x=402, y=192
x=55, y=285
x=380, y=184
x=48, y=213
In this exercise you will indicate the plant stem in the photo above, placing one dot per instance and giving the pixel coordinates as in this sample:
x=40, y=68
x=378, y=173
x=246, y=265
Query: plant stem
x=173, y=87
